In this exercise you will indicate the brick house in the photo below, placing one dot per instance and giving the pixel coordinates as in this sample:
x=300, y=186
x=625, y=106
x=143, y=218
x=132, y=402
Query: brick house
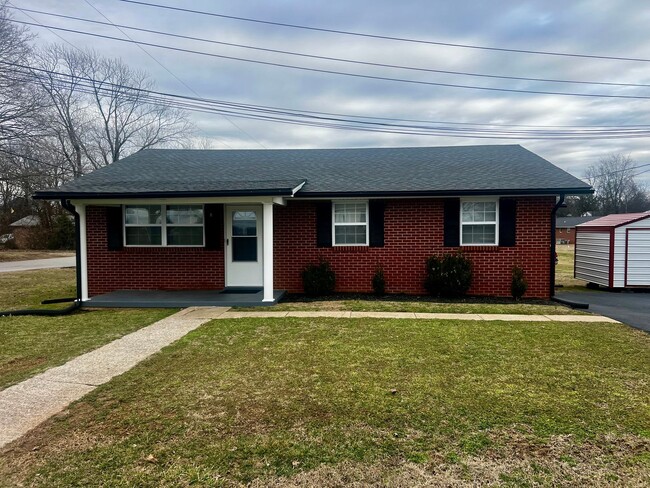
x=566, y=228
x=249, y=220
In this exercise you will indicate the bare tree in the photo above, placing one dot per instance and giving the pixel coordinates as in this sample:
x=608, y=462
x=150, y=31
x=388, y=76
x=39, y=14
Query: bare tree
x=17, y=101
x=102, y=110
x=69, y=115
x=128, y=121
x=617, y=191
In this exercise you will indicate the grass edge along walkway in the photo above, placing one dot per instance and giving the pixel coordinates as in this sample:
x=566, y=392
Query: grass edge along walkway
x=36, y=399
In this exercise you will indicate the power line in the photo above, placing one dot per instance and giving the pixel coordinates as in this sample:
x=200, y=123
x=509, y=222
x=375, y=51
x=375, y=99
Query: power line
x=142, y=49
x=622, y=170
x=341, y=73
x=327, y=58
x=146, y=52
x=299, y=118
x=384, y=37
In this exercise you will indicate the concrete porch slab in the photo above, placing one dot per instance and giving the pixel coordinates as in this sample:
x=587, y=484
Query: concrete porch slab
x=179, y=299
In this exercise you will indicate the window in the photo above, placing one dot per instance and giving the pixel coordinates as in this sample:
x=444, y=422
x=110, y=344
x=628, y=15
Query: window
x=350, y=223
x=478, y=223
x=163, y=225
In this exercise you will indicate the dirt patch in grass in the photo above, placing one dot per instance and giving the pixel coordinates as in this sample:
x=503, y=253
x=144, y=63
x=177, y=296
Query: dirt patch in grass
x=364, y=401
x=25, y=255
x=559, y=462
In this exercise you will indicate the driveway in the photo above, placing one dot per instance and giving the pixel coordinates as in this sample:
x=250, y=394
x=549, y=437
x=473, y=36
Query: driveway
x=13, y=266
x=628, y=307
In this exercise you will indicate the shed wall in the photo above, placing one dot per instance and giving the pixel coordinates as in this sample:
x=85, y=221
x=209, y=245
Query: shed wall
x=592, y=257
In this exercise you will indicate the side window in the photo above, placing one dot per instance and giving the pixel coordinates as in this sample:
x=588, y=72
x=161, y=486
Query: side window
x=350, y=223
x=478, y=223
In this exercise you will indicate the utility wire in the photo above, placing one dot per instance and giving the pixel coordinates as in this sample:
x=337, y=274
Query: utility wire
x=9, y=4
x=384, y=37
x=265, y=110
x=144, y=51
x=341, y=73
x=327, y=58
x=297, y=118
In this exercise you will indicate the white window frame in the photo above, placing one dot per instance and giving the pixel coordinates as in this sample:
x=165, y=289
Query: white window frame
x=496, y=222
x=335, y=224
x=163, y=225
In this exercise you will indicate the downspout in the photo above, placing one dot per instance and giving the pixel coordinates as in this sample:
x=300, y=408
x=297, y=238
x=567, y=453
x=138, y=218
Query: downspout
x=557, y=206
x=70, y=208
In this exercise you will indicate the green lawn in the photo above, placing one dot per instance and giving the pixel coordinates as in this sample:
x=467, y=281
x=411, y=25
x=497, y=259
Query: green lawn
x=332, y=402
x=564, y=269
x=423, y=305
x=27, y=289
x=31, y=344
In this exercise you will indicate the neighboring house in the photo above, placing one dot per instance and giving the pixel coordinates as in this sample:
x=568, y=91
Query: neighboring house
x=166, y=219
x=23, y=230
x=566, y=228
x=614, y=251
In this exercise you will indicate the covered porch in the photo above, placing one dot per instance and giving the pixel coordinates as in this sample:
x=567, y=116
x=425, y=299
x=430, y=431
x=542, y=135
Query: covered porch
x=184, y=298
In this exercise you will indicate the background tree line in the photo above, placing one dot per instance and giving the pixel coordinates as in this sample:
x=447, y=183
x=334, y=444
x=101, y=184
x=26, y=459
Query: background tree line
x=65, y=111
x=615, y=179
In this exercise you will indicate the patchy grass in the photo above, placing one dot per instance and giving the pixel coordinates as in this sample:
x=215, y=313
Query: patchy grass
x=24, y=255
x=564, y=269
x=334, y=402
x=26, y=289
x=33, y=344
x=422, y=304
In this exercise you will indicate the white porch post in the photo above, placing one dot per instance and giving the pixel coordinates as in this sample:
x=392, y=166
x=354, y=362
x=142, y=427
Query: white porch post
x=268, y=252
x=83, y=251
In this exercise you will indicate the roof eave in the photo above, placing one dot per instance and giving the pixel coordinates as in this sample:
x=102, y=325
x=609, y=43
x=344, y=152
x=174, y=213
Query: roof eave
x=448, y=193
x=58, y=195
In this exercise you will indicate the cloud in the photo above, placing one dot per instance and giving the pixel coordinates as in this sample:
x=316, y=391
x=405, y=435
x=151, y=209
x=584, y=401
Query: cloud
x=588, y=26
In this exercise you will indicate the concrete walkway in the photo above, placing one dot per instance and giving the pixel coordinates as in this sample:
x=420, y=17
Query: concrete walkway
x=414, y=315
x=27, y=404
x=14, y=266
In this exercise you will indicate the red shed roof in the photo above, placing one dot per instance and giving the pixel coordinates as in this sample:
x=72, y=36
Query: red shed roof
x=614, y=220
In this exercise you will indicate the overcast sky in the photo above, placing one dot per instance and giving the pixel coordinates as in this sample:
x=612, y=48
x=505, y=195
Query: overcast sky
x=600, y=27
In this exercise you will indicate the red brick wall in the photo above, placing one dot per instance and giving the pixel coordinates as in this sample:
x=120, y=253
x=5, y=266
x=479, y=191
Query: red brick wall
x=413, y=231
x=147, y=268
x=566, y=234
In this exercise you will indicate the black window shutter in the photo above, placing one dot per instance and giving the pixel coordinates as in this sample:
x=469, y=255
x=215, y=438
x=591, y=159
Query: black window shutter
x=114, y=228
x=213, y=218
x=324, y=224
x=452, y=223
x=376, y=221
x=507, y=222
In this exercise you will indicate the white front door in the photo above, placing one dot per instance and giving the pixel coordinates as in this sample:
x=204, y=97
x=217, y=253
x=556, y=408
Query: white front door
x=244, y=256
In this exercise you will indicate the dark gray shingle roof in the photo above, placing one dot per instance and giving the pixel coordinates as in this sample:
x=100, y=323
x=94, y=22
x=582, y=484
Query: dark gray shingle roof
x=569, y=222
x=505, y=169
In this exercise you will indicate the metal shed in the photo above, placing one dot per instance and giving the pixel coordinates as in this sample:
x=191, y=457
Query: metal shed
x=614, y=251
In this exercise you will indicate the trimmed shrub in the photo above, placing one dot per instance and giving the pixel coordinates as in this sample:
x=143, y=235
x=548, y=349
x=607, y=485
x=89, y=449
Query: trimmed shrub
x=449, y=275
x=379, y=281
x=519, y=283
x=318, y=279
